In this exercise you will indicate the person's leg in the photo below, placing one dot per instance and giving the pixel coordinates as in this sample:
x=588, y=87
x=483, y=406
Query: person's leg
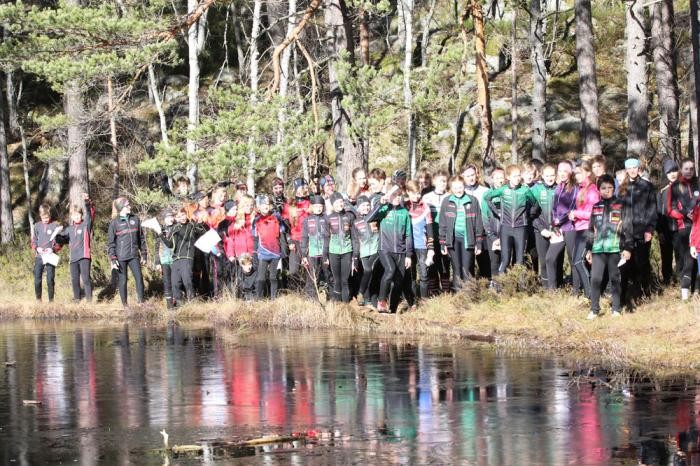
x=580, y=262
x=542, y=245
x=597, y=268
x=614, y=278
x=38, y=274
x=531, y=248
x=468, y=262
x=75, y=279
x=177, y=281
x=135, y=266
x=683, y=246
x=335, y=264
x=345, y=270
x=422, y=272
x=455, y=254
x=123, y=279
x=506, y=238
x=401, y=275
x=519, y=236
x=167, y=274
x=263, y=266
x=666, y=253
x=367, y=270
x=553, y=263
x=484, y=261
x=494, y=258
x=50, y=280
x=85, y=266
x=388, y=277
x=570, y=241
x=274, y=280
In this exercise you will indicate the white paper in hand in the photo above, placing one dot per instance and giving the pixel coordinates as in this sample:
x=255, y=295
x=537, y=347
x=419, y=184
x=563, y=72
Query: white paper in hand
x=429, y=260
x=152, y=224
x=556, y=238
x=622, y=262
x=207, y=241
x=50, y=258
x=55, y=233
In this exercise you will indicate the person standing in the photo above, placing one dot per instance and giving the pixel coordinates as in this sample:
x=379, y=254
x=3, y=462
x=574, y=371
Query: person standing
x=78, y=237
x=542, y=217
x=126, y=247
x=682, y=199
x=44, y=243
x=666, y=227
x=586, y=198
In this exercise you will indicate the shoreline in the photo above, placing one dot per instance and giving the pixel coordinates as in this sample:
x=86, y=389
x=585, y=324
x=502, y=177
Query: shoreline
x=660, y=338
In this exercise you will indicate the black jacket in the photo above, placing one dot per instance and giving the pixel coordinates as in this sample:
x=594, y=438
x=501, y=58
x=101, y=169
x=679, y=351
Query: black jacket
x=125, y=239
x=448, y=217
x=181, y=239
x=639, y=201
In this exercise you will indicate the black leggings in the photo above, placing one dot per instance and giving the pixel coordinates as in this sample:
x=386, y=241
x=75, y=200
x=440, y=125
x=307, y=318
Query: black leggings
x=341, y=266
x=462, y=262
x=419, y=270
x=483, y=260
x=182, y=277
x=494, y=257
x=81, y=269
x=267, y=267
x=580, y=263
x=637, y=272
x=542, y=244
x=39, y=267
x=166, y=271
x=555, y=260
x=368, y=264
x=601, y=263
x=681, y=245
x=394, y=271
x=518, y=236
x=135, y=267
x=313, y=273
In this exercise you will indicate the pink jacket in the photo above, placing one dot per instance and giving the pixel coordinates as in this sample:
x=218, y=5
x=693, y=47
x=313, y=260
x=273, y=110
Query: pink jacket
x=587, y=197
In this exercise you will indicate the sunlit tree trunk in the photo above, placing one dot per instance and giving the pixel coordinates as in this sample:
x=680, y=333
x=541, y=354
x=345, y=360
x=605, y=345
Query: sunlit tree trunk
x=662, y=39
x=6, y=221
x=695, y=86
x=254, y=77
x=196, y=36
x=407, y=16
x=587, y=81
x=539, y=81
x=636, y=63
x=482, y=85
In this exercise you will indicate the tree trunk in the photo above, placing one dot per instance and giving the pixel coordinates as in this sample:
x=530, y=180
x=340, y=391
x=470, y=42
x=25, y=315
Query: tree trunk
x=77, y=149
x=364, y=36
x=284, y=75
x=25, y=172
x=482, y=85
x=426, y=34
x=254, y=59
x=666, y=82
x=113, y=138
x=539, y=81
x=6, y=221
x=407, y=8
x=588, y=86
x=514, y=88
x=636, y=63
x=695, y=86
x=153, y=85
x=348, y=154
x=237, y=27
x=12, y=117
x=195, y=44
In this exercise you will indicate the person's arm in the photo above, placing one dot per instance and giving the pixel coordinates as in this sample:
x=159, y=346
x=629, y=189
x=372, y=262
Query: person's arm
x=674, y=209
x=304, y=245
x=143, y=247
x=651, y=210
x=592, y=197
x=478, y=224
x=89, y=209
x=409, y=235
x=494, y=193
x=377, y=213
x=695, y=230
x=111, y=241
x=326, y=232
x=429, y=236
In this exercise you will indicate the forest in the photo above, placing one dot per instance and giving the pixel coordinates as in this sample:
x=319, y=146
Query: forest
x=116, y=97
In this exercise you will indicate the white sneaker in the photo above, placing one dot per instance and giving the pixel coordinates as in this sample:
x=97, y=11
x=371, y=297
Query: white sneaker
x=616, y=314
x=592, y=315
x=685, y=294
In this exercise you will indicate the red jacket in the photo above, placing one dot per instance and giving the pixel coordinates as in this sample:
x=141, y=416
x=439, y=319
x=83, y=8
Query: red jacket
x=237, y=241
x=294, y=213
x=695, y=231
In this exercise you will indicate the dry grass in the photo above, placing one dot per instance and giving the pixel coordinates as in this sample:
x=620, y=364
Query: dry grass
x=661, y=337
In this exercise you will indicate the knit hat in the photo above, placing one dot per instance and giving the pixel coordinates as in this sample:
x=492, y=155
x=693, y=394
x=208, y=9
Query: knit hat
x=336, y=196
x=399, y=175
x=326, y=179
x=361, y=200
x=230, y=204
x=632, y=163
x=670, y=166
x=299, y=182
x=317, y=200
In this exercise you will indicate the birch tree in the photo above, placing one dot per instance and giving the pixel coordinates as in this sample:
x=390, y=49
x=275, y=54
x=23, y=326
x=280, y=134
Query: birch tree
x=196, y=36
x=636, y=64
x=588, y=85
x=539, y=81
x=6, y=221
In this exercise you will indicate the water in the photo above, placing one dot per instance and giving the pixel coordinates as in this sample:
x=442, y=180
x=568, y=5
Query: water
x=107, y=392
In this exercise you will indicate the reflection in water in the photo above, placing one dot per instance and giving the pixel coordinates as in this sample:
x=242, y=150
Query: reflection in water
x=107, y=392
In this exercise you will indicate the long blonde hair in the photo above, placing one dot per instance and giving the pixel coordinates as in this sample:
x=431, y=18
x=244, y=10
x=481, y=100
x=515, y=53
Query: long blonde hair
x=240, y=215
x=115, y=206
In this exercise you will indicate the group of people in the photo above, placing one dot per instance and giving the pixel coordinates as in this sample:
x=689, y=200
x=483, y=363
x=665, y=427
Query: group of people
x=390, y=237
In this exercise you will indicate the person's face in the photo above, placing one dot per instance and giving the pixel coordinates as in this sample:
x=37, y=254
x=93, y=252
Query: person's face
x=277, y=190
x=45, y=218
x=528, y=176
x=401, y=182
x=581, y=175
x=169, y=220
x=363, y=209
x=181, y=217
x=232, y=212
x=183, y=188
x=457, y=188
x=620, y=177
x=440, y=183
x=688, y=170
x=469, y=176
x=264, y=208
x=633, y=172
x=317, y=209
x=328, y=188
x=606, y=190
x=241, y=191
x=218, y=196
x=247, y=267
x=498, y=178
x=126, y=210
x=396, y=200
x=514, y=178
x=598, y=169
x=302, y=191
x=549, y=176
x=424, y=181
x=563, y=172
x=76, y=216
x=361, y=179
x=375, y=185
x=414, y=197
x=203, y=203
x=672, y=176
x=339, y=205
x=247, y=208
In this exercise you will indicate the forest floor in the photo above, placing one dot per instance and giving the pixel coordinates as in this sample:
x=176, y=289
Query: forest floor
x=661, y=337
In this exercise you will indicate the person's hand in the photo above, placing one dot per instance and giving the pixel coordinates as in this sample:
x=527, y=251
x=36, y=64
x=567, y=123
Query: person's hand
x=158, y=268
x=327, y=262
x=232, y=259
x=430, y=257
x=384, y=200
x=647, y=236
x=443, y=250
x=143, y=261
x=304, y=262
x=354, y=264
x=694, y=252
x=477, y=250
x=572, y=217
x=496, y=245
x=589, y=257
x=407, y=262
x=115, y=264
x=546, y=233
x=626, y=255
x=292, y=246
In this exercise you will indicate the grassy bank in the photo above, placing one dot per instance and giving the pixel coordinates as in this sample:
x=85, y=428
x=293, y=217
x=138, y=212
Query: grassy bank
x=660, y=337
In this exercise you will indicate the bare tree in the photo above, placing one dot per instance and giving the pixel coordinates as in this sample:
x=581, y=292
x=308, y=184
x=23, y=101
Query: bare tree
x=539, y=81
x=406, y=9
x=196, y=36
x=695, y=84
x=254, y=78
x=588, y=85
x=636, y=61
x=6, y=221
